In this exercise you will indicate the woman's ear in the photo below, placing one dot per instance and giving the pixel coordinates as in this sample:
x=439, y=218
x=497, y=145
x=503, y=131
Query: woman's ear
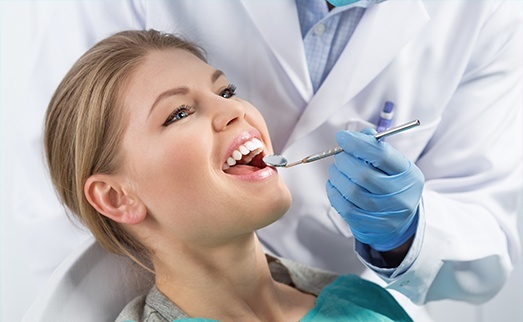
x=109, y=198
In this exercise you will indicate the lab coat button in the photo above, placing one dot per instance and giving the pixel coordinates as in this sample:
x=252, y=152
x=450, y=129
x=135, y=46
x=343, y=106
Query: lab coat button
x=404, y=283
x=319, y=29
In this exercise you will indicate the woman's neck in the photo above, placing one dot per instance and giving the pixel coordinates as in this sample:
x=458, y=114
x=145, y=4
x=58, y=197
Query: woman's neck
x=229, y=283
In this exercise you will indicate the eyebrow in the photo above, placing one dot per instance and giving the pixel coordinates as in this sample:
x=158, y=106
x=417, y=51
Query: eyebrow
x=181, y=90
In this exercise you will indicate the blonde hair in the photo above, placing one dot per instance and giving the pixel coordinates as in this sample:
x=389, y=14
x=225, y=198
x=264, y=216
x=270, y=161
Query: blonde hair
x=84, y=125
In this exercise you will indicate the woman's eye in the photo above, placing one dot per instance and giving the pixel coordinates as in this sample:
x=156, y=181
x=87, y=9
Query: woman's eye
x=178, y=114
x=229, y=92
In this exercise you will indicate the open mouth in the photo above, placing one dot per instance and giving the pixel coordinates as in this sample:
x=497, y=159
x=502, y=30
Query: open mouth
x=246, y=159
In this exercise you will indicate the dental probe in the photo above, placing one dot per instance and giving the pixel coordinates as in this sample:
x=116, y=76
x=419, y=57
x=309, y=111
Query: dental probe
x=276, y=160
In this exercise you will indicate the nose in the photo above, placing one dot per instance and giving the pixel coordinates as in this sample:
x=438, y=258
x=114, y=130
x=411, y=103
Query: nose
x=226, y=113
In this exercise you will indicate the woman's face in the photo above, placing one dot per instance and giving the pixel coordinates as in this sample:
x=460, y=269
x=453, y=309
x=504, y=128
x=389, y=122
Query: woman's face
x=184, y=127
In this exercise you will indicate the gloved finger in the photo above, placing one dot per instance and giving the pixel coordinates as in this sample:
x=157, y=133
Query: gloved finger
x=369, y=131
x=358, y=195
x=356, y=217
x=378, y=153
x=358, y=226
x=376, y=210
x=363, y=174
x=374, y=228
x=343, y=206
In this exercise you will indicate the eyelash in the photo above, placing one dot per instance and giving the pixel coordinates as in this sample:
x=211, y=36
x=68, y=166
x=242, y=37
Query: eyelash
x=231, y=90
x=187, y=110
x=175, y=115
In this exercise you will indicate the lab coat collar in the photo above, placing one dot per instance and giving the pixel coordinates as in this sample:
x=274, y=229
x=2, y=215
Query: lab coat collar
x=286, y=43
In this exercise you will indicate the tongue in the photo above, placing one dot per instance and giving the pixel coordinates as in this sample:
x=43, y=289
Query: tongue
x=241, y=169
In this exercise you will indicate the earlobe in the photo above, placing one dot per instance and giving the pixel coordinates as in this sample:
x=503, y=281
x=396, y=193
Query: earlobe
x=108, y=198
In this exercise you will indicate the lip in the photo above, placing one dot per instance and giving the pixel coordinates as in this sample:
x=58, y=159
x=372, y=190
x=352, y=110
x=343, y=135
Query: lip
x=241, y=139
x=245, y=136
x=257, y=175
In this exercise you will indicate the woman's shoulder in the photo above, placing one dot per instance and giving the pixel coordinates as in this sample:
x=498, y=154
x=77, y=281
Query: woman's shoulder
x=305, y=278
x=153, y=307
x=133, y=310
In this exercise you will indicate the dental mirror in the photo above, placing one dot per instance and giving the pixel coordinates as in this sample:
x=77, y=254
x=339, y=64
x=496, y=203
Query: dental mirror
x=276, y=160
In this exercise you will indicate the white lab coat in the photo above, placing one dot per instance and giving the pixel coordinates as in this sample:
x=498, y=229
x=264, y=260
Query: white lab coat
x=454, y=65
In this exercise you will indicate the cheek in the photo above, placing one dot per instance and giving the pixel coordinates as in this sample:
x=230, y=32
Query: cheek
x=169, y=172
x=255, y=118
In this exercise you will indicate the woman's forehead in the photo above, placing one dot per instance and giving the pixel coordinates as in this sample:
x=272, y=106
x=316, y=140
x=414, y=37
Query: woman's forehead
x=175, y=59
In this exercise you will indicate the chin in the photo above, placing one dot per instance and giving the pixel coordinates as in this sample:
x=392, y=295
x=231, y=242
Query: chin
x=279, y=204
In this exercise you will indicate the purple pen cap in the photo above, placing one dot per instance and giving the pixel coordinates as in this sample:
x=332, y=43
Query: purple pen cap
x=389, y=106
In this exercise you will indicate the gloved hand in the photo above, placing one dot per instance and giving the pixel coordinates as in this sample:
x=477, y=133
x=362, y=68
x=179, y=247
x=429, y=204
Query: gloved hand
x=376, y=189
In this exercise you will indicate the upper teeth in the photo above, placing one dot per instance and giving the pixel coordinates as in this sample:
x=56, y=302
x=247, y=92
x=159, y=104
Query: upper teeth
x=247, y=151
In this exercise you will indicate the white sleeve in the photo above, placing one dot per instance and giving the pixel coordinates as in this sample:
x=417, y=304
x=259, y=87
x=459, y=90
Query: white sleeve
x=473, y=171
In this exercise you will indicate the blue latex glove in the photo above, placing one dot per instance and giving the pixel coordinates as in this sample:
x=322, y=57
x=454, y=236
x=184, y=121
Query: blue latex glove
x=376, y=189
